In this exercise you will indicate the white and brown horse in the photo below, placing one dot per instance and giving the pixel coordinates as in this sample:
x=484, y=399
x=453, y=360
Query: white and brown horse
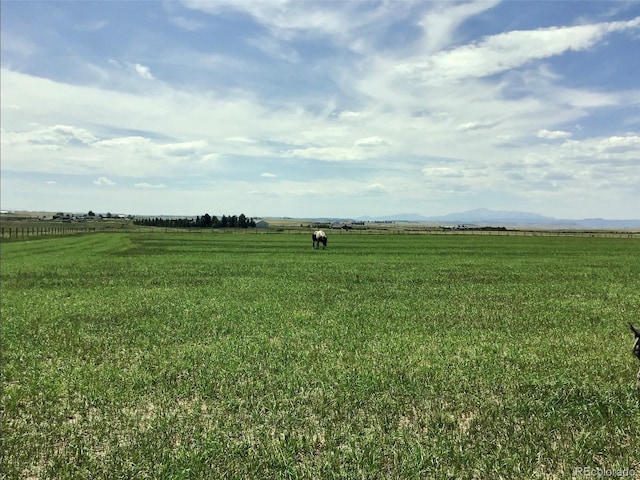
x=319, y=237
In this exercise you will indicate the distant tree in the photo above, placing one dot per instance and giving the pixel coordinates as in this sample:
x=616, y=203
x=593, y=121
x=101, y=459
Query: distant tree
x=204, y=221
x=91, y=214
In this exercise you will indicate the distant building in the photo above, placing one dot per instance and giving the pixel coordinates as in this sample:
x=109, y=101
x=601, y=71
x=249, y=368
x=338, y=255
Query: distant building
x=341, y=225
x=262, y=224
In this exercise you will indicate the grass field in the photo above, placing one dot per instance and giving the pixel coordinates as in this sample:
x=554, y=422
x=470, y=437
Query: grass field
x=132, y=355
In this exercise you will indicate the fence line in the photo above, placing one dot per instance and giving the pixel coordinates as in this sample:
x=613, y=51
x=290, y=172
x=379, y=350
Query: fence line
x=26, y=232
x=389, y=231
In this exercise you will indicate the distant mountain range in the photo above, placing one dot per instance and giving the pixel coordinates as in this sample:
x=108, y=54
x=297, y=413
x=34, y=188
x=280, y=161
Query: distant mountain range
x=483, y=216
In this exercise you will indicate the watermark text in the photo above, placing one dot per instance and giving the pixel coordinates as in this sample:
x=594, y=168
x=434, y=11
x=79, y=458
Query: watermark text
x=599, y=472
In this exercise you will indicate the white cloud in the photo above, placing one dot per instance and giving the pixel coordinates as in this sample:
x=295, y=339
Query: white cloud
x=209, y=157
x=476, y=125
x=619, y=150
x=104, y=181
x=143, y=71
x=442, y=172
x=183, y=149
x=351, y=25
x=371, y=142
x=629, y=142
x=505, y=51
x=138, y=69
x=146, y=185
x=333, y=153
x=588, y=99
x=440, y=23
x=283, y=17
x=55, y=136
x=553, y=135
x=375, y=188
x=349, y=116
x=268, y=175
x=240, y=139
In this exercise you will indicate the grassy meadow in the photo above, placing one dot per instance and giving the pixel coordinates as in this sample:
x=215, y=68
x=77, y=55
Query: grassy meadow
x=172, y=356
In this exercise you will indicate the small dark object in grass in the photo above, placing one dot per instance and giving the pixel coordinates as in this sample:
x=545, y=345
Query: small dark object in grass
x=636, y=350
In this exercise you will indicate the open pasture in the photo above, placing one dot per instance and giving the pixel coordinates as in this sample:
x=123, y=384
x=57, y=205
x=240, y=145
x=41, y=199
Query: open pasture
x=133, y=355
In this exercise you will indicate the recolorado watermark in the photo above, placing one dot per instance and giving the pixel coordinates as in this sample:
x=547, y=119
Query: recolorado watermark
x=599, y=472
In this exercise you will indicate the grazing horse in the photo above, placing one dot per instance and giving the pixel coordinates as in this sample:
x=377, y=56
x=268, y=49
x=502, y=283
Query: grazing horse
x=636, y=350
x=317, y=238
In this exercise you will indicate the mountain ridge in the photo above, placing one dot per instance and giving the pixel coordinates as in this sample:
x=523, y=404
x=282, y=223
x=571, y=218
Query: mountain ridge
x=507, y=217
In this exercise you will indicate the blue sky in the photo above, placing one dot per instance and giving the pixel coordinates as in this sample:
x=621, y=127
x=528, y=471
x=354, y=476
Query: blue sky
x=328, y=108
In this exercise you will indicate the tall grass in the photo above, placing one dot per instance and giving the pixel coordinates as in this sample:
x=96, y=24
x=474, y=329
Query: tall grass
x=254, y=356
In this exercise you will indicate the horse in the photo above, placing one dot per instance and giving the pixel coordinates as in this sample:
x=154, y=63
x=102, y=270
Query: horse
x=636, y=350
x=317, y=238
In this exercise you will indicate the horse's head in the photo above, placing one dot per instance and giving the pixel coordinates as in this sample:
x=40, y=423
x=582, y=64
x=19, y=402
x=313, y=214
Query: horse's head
x=636, y=347
x=321, y=237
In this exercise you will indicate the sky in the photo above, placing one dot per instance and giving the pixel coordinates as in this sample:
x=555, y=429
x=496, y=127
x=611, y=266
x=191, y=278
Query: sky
x=326, y=108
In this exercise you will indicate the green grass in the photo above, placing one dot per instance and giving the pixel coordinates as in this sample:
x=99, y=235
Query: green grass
x=131, y=355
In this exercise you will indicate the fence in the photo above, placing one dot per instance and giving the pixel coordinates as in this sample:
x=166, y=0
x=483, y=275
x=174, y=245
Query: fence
x=404, y=231
x=25, y=232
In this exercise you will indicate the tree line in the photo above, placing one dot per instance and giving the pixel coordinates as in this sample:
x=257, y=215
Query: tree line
x=204, y=221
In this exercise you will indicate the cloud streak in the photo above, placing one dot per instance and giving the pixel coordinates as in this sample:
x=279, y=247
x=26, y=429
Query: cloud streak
x=145, y=185
x=506, y=51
